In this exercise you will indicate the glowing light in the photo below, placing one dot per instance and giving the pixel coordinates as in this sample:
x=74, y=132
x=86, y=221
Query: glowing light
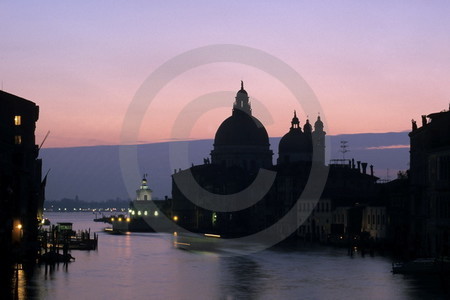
x=156, y=213
x=175, y=233
x=120, y=219
x=212, y=235
x=145, y=212
x=112, y=219
x=17, y=120
x=139, y=213
x=19, y=226
x=184, y=244
x=128, y=219
x=175, y=218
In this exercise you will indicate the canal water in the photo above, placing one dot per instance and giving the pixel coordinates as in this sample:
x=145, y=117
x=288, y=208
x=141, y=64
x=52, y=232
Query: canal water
x=147, y=266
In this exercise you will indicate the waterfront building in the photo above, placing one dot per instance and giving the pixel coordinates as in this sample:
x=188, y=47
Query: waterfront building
x=430, y=185
x=374, y=221
x=21, y=189
x=143, y=211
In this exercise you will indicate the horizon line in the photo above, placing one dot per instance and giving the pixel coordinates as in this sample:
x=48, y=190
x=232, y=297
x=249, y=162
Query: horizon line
x=203, y=139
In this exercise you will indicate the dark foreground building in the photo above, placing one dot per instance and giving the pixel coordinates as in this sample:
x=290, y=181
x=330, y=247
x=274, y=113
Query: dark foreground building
x=430, y=186
x=21, y=189
x=215, y=197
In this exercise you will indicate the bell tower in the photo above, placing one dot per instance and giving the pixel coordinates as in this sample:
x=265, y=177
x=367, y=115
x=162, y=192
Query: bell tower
x=318, y=137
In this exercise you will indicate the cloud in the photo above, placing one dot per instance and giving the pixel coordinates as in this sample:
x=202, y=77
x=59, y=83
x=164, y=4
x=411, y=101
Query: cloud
x=387, y=147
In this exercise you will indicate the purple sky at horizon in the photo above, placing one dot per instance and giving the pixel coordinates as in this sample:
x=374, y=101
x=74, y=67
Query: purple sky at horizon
x=373, y=65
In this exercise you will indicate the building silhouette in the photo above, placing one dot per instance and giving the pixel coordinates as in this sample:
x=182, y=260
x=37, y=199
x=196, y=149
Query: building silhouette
x=21, y=189
x=241, y=150
x=430, y=186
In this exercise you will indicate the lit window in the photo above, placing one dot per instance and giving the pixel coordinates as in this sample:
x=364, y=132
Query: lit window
x=17, y=120
x=18, y=139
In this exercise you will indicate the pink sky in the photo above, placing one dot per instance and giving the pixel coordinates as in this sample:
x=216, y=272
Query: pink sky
x=373, y=65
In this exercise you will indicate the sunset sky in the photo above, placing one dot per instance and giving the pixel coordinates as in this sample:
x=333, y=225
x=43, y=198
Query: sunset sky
x=373, y=65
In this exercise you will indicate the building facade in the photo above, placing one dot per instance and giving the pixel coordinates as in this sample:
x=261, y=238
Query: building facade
x=21, y=189
x=430, y=185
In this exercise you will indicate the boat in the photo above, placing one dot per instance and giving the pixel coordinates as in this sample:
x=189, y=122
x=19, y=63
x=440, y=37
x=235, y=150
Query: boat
x=197, y=241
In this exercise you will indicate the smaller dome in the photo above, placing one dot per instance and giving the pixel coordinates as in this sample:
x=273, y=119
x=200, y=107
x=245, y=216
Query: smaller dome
x=295, y=141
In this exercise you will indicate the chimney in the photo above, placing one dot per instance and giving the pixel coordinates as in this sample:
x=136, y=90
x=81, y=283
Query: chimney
x=353, y=163
x=371, y=170
x=424, y=120
x=364, y=167
x=414, y=125
x=359, y=166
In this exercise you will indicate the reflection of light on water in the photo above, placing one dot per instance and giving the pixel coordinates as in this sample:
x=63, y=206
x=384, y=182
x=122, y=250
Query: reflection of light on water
x=20, y=283
x=213, y=244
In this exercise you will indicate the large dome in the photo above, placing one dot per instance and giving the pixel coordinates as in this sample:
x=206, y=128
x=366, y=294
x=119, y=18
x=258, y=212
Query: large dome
x=241, y=129
x=242, y=140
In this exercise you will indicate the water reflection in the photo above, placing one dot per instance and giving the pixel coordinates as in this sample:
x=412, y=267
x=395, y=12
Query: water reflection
x=427, y=286
x=242, y=278
x=146, y=266
x=16, y=282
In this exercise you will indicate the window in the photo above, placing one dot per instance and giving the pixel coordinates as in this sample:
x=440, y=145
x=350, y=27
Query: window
x=17, y=120
x=18, y=139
